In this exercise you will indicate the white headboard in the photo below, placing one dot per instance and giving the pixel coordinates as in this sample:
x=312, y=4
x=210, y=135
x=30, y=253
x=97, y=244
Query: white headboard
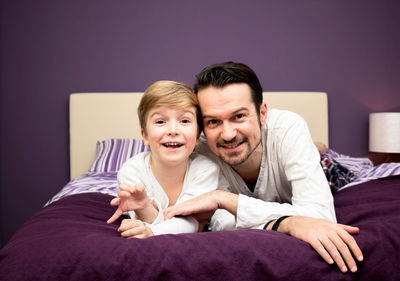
x=100, y=116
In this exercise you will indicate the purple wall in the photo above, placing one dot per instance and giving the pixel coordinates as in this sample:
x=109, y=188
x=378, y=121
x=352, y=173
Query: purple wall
x=49, y=49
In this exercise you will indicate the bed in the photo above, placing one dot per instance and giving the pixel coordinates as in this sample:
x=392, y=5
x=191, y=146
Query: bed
x=68, y=239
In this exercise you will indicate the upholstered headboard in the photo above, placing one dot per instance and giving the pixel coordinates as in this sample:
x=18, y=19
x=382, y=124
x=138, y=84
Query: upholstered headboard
x=100, y=116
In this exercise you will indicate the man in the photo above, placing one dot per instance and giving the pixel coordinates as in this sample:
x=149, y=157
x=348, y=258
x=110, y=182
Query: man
x=271, y=165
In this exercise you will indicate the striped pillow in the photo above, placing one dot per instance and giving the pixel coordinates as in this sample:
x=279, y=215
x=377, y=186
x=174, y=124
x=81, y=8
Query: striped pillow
x=113, y=153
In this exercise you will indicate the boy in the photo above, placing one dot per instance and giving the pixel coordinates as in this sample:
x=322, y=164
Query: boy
x=151, y=181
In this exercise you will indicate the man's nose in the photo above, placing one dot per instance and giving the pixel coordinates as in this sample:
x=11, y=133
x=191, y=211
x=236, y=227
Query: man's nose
x=228, y=131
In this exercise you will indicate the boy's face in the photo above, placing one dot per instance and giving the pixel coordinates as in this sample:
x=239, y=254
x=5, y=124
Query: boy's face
x=171, y=134
x=231, y=122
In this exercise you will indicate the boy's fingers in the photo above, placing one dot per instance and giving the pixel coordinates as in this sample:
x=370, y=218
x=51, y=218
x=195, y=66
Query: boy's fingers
x=115, y=202
x=122, y=193
x=115, y=216
x=126, y=187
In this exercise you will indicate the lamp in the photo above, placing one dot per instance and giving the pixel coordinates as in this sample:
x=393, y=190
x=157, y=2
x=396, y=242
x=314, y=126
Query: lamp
x=384, y=132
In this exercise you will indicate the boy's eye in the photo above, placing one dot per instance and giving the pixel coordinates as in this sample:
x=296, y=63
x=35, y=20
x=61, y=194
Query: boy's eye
x=159, y=122
x=185, y=121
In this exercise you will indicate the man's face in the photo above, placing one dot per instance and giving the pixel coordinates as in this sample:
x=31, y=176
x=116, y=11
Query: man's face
x=231, y=123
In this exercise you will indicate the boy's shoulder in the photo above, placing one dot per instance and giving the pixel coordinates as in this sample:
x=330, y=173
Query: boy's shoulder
x=135, y=161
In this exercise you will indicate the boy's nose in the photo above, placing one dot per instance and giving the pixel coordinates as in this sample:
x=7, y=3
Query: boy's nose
x=172, y=128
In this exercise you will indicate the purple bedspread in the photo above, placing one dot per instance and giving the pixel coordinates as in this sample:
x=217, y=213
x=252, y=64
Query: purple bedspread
x=69, y=240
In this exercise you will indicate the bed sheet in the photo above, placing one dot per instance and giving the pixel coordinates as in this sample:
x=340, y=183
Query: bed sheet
x=363, y=168
x=69, y=240
x=101, y=182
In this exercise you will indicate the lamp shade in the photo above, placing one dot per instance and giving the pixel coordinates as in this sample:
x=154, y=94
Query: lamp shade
x=384, y=132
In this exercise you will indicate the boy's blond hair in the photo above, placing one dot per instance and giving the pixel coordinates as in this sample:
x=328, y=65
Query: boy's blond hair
x=170, y=94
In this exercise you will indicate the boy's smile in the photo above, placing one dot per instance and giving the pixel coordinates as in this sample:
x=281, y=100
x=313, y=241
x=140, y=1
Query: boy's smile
x=171, y=134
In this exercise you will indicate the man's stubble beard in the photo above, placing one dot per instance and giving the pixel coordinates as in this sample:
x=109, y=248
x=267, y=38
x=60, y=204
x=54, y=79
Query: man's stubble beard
x=227, y=159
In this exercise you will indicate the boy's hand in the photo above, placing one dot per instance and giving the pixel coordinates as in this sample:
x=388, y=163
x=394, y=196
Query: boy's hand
x=134, y=229
x=130, y=198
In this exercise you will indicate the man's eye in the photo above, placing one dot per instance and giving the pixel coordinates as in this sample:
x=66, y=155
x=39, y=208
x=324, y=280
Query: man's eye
x=239, y=116
x=212, y=123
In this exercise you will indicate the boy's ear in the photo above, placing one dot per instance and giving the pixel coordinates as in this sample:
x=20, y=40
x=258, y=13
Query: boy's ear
x=146, y=143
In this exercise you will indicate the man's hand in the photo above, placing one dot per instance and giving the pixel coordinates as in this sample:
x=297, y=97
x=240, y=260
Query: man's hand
x=130, y=228
x=201, y=207
x=332, y=241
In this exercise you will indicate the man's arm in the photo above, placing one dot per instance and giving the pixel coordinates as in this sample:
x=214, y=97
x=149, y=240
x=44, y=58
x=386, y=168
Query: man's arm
x=204, y=203
x=331, y=240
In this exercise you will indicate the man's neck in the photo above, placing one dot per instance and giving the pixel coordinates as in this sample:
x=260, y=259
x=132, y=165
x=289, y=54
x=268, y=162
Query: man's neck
x=250, y=170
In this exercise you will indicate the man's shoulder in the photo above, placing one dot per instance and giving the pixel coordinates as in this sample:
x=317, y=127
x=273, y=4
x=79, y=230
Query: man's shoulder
x=282, y=114
x=277, y=118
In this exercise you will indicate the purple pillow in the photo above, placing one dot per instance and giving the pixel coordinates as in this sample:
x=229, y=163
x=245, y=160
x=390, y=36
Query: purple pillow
x=113, y=153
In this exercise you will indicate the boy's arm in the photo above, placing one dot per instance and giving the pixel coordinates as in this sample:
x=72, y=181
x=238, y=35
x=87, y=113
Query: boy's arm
x=175, y=226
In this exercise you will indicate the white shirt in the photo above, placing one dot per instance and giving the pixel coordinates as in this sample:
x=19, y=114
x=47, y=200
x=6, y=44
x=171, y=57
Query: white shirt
x=291, y=180
x=201, y=176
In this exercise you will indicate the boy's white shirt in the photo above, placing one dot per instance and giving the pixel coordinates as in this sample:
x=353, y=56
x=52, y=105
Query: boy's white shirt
x=202, y=175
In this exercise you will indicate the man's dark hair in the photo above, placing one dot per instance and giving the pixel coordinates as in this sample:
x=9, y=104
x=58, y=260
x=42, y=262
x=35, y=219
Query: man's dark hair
x=222, y=74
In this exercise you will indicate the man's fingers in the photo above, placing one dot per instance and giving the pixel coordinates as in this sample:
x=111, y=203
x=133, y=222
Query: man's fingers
x=352, y=245
x=334, y=255
x=337, y=250
x=171, y=212
x=344, y=251
x=321, y=251
x=168, y=213
x=340, y=246
x=333, y=242
x=350, y=229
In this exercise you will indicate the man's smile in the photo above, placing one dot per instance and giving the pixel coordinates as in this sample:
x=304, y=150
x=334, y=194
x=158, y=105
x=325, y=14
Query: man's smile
x=231, y=145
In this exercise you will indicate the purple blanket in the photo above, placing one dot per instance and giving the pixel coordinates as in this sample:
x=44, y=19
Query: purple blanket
x=69, y=240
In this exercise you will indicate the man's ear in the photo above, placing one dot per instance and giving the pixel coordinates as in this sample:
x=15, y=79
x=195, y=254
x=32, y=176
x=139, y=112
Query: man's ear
x=144, y=137
x=263, y=113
